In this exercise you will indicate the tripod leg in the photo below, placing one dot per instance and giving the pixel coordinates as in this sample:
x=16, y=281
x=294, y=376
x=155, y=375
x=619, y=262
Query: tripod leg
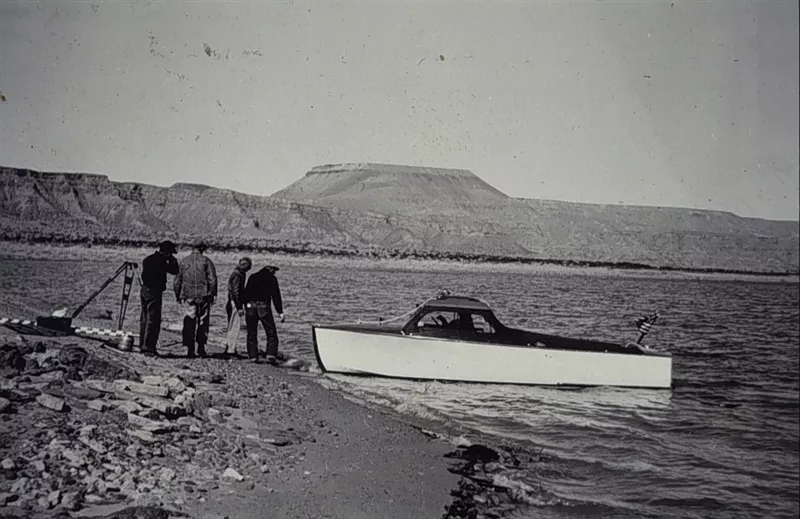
x=102, y=287
x=126, y=292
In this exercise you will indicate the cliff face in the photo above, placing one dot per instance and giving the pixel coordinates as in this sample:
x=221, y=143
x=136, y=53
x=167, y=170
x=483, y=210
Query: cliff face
x=399, y=207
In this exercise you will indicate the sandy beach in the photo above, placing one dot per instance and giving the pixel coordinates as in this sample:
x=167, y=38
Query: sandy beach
x=256, y=441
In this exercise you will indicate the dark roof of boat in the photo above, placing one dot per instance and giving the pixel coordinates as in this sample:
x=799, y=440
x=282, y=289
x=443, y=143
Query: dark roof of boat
x=457, y=302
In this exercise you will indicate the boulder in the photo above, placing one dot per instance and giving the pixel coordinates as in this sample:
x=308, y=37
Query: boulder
x=141, y=389
x=50, y=402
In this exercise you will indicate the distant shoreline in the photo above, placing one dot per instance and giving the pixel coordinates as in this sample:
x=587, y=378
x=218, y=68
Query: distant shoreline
x=383, y=261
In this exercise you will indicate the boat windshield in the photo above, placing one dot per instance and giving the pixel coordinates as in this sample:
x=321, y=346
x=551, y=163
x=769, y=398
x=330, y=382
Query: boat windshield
x=451, y=320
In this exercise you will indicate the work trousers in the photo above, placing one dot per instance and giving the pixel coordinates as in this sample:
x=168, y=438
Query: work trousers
x=229, y=309
x=195, y=325
x=255, y=313
x=149, y=319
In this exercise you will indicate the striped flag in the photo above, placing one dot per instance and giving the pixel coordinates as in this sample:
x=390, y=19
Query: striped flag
x=645, y=323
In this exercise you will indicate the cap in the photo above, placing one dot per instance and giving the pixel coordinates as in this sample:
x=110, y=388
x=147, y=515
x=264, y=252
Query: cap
x=199, y=244
x=167, y=247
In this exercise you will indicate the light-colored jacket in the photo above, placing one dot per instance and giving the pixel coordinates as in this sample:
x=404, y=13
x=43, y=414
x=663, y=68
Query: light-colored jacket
x=197, y=278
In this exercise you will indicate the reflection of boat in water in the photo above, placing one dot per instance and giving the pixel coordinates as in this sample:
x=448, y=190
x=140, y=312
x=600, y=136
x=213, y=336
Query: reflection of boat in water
x=453, y=338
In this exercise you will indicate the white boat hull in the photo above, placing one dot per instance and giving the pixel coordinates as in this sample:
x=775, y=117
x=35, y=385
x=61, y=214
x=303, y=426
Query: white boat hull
x=426, y=358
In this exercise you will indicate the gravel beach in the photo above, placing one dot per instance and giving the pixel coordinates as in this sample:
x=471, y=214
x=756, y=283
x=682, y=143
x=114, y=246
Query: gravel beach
x=89, y=430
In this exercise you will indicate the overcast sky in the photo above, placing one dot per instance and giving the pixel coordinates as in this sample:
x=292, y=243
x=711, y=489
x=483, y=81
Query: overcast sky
x=691, y=104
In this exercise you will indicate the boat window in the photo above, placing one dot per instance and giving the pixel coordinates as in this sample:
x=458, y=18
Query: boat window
x=481, y=325
x=437, y=319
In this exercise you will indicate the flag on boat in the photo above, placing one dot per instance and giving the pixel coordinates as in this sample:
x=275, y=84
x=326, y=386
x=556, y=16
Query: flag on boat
x=645, y=323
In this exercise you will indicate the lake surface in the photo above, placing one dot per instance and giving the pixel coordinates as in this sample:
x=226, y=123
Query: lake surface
x=723, y=443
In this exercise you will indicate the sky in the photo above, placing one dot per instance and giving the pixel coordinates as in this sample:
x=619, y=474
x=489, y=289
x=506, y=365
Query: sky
x=687, y=104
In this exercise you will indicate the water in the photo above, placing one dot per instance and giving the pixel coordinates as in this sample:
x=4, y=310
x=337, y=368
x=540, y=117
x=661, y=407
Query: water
x=723, y=443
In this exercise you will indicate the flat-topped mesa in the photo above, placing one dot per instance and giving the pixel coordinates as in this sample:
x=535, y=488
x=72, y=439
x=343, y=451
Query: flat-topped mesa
x=393, y=189
x=395, y=169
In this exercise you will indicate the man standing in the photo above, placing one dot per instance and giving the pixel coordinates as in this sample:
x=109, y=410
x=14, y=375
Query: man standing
x=235, y=303
x=196, y=288
x=261, y=292
x=155, y=268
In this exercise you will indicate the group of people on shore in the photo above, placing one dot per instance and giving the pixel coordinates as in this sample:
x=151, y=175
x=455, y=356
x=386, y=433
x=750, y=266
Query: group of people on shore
x=195, y=286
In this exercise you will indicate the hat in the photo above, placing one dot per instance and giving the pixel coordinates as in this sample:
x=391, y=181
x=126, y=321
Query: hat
x=199, y=244
x=272, y=268
x=167, y=247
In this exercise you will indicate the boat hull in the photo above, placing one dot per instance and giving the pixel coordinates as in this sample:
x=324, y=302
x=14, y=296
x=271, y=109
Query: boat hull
x=425, y=358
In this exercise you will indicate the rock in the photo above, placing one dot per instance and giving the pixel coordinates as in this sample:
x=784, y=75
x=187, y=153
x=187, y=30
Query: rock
x=127, y=406
x=82, y=393
x=279, y=442
x=71, y=501
x=150, y=413
x=214, y=415
x=54, y=498
x=166, y=474
x=50, y=402
x=73, y=356
x=7, y=497
x=294, y=363
x=151, y=425
x=8, y=464
x=188, y=421
x=99, y=385
x=75, y=459
x=264, y=469
x=31, y=365
x=173, y=385
x=141, y=389
x=20, y=486
x=166, y=407
x=11, y=357
x=232, y=474
x=94, y=445
x=132, y=450
x=87, y=430
x=128, y=487
x=51, y=500
x=200, y=376
x=39, y=466
x=5, y=405
x=154, y=380
x=97, y=405
x=145, y=436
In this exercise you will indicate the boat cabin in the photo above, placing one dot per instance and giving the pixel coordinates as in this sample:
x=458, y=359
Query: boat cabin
x=454, y=317
x=468, y=319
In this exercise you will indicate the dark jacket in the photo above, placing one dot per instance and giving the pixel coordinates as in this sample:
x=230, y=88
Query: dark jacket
x=197, y=279
x=155, y=268
x=263, y=286
x=236, y=288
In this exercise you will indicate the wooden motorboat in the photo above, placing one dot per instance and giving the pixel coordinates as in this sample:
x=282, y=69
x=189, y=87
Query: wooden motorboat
x=456, y=338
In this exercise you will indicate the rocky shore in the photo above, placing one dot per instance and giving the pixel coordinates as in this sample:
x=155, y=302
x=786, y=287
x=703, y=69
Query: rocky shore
x=92, y=431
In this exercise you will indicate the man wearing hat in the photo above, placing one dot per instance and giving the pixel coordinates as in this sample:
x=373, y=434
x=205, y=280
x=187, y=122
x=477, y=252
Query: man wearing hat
x=155, y=268
x=196, y=288
x=235, y=292
x=262, y=291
